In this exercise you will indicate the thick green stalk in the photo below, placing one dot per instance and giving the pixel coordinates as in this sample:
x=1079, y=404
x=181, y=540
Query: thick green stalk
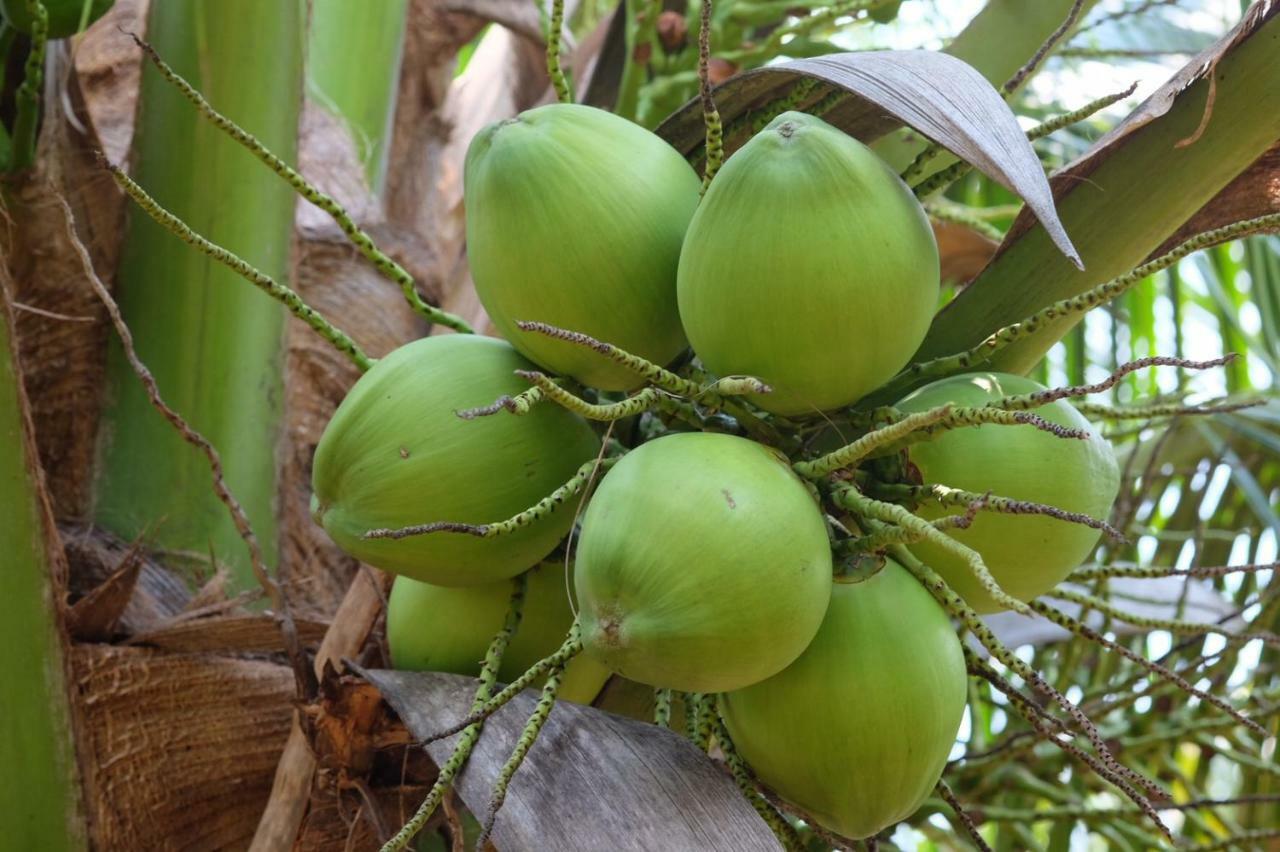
x=353, y=67
x=1127, y=207
x=213, y=342
x=39, y=792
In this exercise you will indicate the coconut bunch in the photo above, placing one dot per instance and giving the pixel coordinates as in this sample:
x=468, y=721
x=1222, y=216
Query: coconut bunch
x=791, y=559
x=703, y=459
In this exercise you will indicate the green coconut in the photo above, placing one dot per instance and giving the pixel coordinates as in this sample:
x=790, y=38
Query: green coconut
x=1026, y=554
x=442, y=629
x=857, y=730
x=575, y=218
x=703, y=564
x=64, y=15
x=810, y=265
x=396, y=454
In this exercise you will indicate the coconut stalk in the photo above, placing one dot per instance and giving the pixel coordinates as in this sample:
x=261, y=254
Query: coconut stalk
x=213, y=343
x=39, y=792
x=1137, y=196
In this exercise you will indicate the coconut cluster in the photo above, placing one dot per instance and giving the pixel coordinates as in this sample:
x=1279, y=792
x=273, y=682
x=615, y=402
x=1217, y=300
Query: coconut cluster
x=704, y=562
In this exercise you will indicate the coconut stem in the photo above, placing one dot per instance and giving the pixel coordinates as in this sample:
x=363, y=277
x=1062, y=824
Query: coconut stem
x=544, y=507
x=1154, y=411
x=712, y=396
x=1083, y=630
x=961, y=418
x=888, y=513
x=559, y=658
x=944, y=495
x=714, y=144
x=700, y=718
x=965, y=818
x=662, y=708
x=1105, y=763
x=281, y=293
x=564, y=92
x=462, y=749
x=1105, y=768
x=948, y=365
x=1173, y=625
x=521, y=403
x=309, y=191
x=782, y=829
x=850, y=454
x=638, y=403
x=1148, y=572
x=1038, y=399
x=27, y=99
x=538, y=718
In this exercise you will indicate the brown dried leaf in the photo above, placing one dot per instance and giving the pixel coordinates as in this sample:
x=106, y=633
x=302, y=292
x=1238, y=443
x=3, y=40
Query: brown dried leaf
x=178, y=750
x=94, y=617
x=591, y=781
x=963, y=252
x=1256, y=192
x=228, y=634
x=941, y=97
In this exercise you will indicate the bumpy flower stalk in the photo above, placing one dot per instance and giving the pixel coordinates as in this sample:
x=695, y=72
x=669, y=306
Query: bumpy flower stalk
x=850, y=454
x=712, y=396
x=954, y=604
x=1145, y=572
x=944, y=495
x=312, y=193
x=564, y=92
x=1083, y=630
x=662, y=708
x=544, y=507
x=557, y=659
x=1105, y=768
x=1155, y=411
x=964, y=817
x=27, y=98
x=700, y=714
x=888, y=513
x=1173, y=625
x=949, y=365
x=714, y=143
x=281, y=293
x=640, y=402
x=521, y=403
x=541, y=712
x=957, y=214
x=961, y=418
x=1023, y=402
x=782, y=829
x=462, y=749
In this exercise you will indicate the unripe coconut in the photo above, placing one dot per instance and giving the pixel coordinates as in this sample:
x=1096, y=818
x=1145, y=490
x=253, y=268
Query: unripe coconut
x=703, y=564
x=441, y=629
x=575, y=218
x=395, y=454
x=1026, y=554
x=857, y=730
x=64, y=15
x=810, y=265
